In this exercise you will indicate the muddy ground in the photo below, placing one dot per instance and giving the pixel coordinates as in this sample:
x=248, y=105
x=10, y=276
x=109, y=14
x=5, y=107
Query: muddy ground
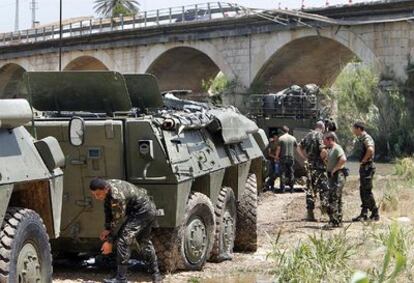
x=277, y=212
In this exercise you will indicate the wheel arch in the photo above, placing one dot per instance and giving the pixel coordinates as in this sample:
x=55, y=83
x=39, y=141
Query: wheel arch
x=5, y=194
x=36, y=195
x=257, y=167
x=209, y=185
x=236, y=176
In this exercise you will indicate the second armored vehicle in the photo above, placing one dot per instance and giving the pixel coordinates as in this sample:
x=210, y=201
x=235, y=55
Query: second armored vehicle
x=31, y=185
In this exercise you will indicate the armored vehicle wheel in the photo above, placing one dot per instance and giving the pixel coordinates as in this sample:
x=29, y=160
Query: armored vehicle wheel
x=196, y=235
x=246, y=229
x=187, y=247
x=25, y=254
x=225, y=211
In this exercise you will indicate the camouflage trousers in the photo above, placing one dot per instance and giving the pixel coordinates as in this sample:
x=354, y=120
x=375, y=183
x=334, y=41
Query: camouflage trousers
x=366, y=178
x=137, y=230
x=318, y=184
x=336, y=185
x=287, y=176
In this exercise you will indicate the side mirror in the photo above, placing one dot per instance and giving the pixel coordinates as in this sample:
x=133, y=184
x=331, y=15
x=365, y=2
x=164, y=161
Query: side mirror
x=76, y=131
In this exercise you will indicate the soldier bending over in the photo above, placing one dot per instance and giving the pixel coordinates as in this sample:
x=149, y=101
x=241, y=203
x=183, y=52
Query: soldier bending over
x=129, y=215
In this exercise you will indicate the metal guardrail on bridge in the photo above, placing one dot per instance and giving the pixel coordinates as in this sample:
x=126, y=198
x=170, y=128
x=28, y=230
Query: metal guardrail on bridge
x=178, y=15
x=161, y=17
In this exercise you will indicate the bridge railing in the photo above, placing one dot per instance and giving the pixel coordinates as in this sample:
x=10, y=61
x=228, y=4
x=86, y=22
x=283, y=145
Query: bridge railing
x=144, y=19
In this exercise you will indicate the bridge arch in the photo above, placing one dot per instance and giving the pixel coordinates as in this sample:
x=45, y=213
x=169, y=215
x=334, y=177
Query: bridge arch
x=86, y=63
x=182, y=66
x=307, y=56
x=10, y=76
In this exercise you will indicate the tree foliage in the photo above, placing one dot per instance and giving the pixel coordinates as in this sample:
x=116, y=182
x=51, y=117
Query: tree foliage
x=115, y=8
x=219, y=86
x=361, y=95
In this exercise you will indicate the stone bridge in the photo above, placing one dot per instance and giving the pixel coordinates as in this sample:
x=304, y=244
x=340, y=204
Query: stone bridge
x=274, y=48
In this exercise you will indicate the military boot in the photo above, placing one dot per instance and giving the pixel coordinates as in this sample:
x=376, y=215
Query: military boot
x=375, y=215
x=362, y=217
x=120, y=275
x=156, y=274
x=310, y=216
x=157, y=277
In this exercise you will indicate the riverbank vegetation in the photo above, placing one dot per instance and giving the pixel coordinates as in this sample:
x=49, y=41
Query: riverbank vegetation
x=382, y=103
x=372, y=252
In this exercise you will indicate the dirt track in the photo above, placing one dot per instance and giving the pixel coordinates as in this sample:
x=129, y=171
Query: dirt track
x=272, y=213
x=277, y=212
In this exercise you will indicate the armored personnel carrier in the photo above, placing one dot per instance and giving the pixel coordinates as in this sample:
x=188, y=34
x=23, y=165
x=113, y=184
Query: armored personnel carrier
x=31, y=186
x=200, y=164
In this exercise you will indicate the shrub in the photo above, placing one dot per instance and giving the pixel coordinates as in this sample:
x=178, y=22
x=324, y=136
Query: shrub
x=405, y=168
x=320, y=259
x=397, y=241
x=361, y=95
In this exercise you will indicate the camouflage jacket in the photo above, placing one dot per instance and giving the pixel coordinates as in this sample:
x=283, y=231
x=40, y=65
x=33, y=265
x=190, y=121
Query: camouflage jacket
x=361, y=145
x=123, y=201
x=312, y=143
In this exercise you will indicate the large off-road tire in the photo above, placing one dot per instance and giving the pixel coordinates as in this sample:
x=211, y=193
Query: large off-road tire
x=187, y=247
x=25, y=254
x=246, y=228
x=225, y=211
x=196, y=235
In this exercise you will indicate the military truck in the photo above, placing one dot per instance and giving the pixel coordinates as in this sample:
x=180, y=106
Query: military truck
x=200, y=165
x=296, y=107
x=31, y=187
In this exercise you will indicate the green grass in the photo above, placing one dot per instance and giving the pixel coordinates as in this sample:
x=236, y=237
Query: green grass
x=194, y=280
x=335, y=258
x=404, y=167
x=396, y=241
x=390, y=200
x=318, y=259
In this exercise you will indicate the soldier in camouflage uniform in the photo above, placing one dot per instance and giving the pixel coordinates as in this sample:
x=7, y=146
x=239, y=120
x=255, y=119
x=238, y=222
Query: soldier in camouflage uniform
x=129, y=216
x=336, y=178
x=312, y=149
x=364, y=150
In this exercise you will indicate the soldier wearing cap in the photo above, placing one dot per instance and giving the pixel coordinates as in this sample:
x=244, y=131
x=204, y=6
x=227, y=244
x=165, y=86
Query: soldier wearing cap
x=364, y=150
x=130, y=215
x=313, y=150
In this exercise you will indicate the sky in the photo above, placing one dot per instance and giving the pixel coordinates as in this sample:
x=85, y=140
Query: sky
x=48, y=10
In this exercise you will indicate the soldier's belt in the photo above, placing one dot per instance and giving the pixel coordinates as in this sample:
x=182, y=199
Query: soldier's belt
x=344, y=171
x=368, y=163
